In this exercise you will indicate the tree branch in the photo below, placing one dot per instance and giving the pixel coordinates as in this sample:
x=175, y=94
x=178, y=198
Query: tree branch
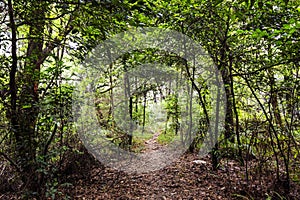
x=10, y=161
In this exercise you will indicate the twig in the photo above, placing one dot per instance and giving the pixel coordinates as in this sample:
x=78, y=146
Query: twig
x=49, y=141
x=11, y=161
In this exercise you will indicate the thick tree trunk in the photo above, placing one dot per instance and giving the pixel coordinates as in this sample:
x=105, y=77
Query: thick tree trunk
x=24, y=107
x=229, y=123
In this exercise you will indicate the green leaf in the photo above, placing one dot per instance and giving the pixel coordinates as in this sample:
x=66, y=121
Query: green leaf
x=26, y=106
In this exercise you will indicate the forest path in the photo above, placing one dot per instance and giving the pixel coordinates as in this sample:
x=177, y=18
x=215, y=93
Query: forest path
x=152, y=144
x=183, y=179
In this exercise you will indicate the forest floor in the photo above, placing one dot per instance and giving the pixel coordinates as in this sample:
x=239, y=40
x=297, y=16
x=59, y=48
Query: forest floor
x=188, y=177
x=152, y=144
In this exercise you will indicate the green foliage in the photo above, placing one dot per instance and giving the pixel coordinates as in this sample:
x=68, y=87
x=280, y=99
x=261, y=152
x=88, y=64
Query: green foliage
x=167, y=137
x=173, y=111
x=254, y=44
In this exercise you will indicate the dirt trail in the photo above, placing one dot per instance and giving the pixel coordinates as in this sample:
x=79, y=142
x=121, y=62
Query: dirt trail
x=152, y=144
x=183, y=179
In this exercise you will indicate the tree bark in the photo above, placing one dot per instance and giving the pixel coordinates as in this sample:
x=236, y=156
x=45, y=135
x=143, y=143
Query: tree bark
x=24, y=107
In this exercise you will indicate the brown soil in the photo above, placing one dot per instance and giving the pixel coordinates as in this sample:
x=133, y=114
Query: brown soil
x=188, y=177
x=152, y=143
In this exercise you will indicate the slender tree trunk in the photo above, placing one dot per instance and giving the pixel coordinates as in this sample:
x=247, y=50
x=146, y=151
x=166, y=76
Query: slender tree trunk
x=128, y=105
x=237, y=125
x=274, y=101
x=144, y=111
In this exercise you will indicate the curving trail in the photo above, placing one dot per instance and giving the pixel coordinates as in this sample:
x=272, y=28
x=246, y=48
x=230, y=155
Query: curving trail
x=152, y=144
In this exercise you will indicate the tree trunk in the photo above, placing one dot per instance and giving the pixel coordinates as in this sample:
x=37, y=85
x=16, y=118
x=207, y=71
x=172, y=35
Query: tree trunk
x=24, y=107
